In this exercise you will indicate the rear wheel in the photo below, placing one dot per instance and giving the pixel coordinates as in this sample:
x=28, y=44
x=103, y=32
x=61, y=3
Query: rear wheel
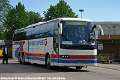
x=19, y=59
x=23, y=59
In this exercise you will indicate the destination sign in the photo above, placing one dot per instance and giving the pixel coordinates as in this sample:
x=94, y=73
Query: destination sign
x=76, y=23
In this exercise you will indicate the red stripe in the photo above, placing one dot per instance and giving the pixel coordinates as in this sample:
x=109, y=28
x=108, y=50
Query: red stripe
x=57, y=56
x=36, y=55
x=73, y=56
x=54, y=55
x=80, y=57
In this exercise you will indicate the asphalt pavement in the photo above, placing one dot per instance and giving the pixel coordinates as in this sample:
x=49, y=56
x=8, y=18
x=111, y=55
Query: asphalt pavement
x=114, y=66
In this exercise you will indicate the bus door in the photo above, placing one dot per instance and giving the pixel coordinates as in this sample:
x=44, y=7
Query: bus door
x=56, y=47
x=29, y=59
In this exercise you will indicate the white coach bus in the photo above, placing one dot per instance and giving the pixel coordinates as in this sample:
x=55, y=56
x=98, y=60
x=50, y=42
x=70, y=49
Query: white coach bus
x=69, y=42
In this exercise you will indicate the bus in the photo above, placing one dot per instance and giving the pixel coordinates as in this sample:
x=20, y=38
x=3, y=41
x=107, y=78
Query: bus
x=65, y=42
x=2, y=43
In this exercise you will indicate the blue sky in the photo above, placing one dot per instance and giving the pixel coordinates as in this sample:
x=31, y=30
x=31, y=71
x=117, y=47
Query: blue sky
x=96, y=10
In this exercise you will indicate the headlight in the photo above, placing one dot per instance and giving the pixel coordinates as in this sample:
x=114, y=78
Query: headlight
x=93, y=56
x=64, y=56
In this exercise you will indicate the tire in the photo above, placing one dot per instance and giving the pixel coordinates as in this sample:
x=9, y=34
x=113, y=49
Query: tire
x=19, y=59
x=48, y=62
x=78, y=67
x=23, y=60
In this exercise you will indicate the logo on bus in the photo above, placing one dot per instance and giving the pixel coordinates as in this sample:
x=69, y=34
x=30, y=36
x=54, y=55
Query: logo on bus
x=45, y=42
x=38, y=42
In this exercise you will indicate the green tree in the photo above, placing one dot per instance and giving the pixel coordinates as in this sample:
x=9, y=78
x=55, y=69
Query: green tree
x=16, y=18
x=4, y=8
x=60, y=10
x=34, y=17
x=1, y=33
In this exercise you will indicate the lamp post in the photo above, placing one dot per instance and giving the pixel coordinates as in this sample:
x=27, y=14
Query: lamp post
x=81, y=10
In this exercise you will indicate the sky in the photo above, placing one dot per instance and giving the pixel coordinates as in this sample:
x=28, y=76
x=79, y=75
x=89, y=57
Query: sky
x=96, y=10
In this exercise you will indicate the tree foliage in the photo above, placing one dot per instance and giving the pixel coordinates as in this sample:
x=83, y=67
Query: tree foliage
x=4, y=8
x=16, y=18
x=60, y=10
x=1, y=33
x=34, y=17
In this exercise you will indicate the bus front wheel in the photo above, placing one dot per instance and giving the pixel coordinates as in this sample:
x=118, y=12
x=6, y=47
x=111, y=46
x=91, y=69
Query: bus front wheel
x=48, y=62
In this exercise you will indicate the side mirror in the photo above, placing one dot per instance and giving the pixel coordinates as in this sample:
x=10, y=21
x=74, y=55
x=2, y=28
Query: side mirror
x=101, y=29
x=60, y=28
x=98, y=28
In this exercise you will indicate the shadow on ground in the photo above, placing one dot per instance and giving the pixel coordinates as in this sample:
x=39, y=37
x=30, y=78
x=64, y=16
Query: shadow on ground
x=15, y=67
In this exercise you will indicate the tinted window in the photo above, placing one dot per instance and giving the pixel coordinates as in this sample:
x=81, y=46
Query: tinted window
x=19, y=36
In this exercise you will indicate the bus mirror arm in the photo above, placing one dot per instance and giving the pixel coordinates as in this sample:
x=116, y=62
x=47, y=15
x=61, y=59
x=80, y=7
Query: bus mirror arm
x=101, y=30
x=60, y=28
x=98, y=27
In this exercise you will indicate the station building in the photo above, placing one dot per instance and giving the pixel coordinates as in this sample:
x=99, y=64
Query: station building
x=109, y=43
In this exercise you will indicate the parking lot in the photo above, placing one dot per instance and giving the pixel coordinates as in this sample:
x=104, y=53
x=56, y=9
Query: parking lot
x=16, y=71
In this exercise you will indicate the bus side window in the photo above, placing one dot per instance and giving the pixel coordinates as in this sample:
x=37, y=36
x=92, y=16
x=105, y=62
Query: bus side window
x=56, y=35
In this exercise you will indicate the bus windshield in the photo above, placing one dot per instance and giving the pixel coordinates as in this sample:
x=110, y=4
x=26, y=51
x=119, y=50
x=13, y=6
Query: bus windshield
x=76, y=34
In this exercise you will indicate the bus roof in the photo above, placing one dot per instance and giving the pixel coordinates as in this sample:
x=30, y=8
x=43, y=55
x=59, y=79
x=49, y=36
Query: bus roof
x=75, y=19
x=30, y=26
x=64, y=19
x=34, y=24
x=70, y=19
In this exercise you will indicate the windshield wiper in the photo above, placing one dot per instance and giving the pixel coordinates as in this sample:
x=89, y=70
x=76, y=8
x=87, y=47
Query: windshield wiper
x=65, y=37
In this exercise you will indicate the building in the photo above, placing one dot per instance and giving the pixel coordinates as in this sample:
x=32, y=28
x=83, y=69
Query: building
x=110, y=27
x=9, y=45
x=109, y=43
